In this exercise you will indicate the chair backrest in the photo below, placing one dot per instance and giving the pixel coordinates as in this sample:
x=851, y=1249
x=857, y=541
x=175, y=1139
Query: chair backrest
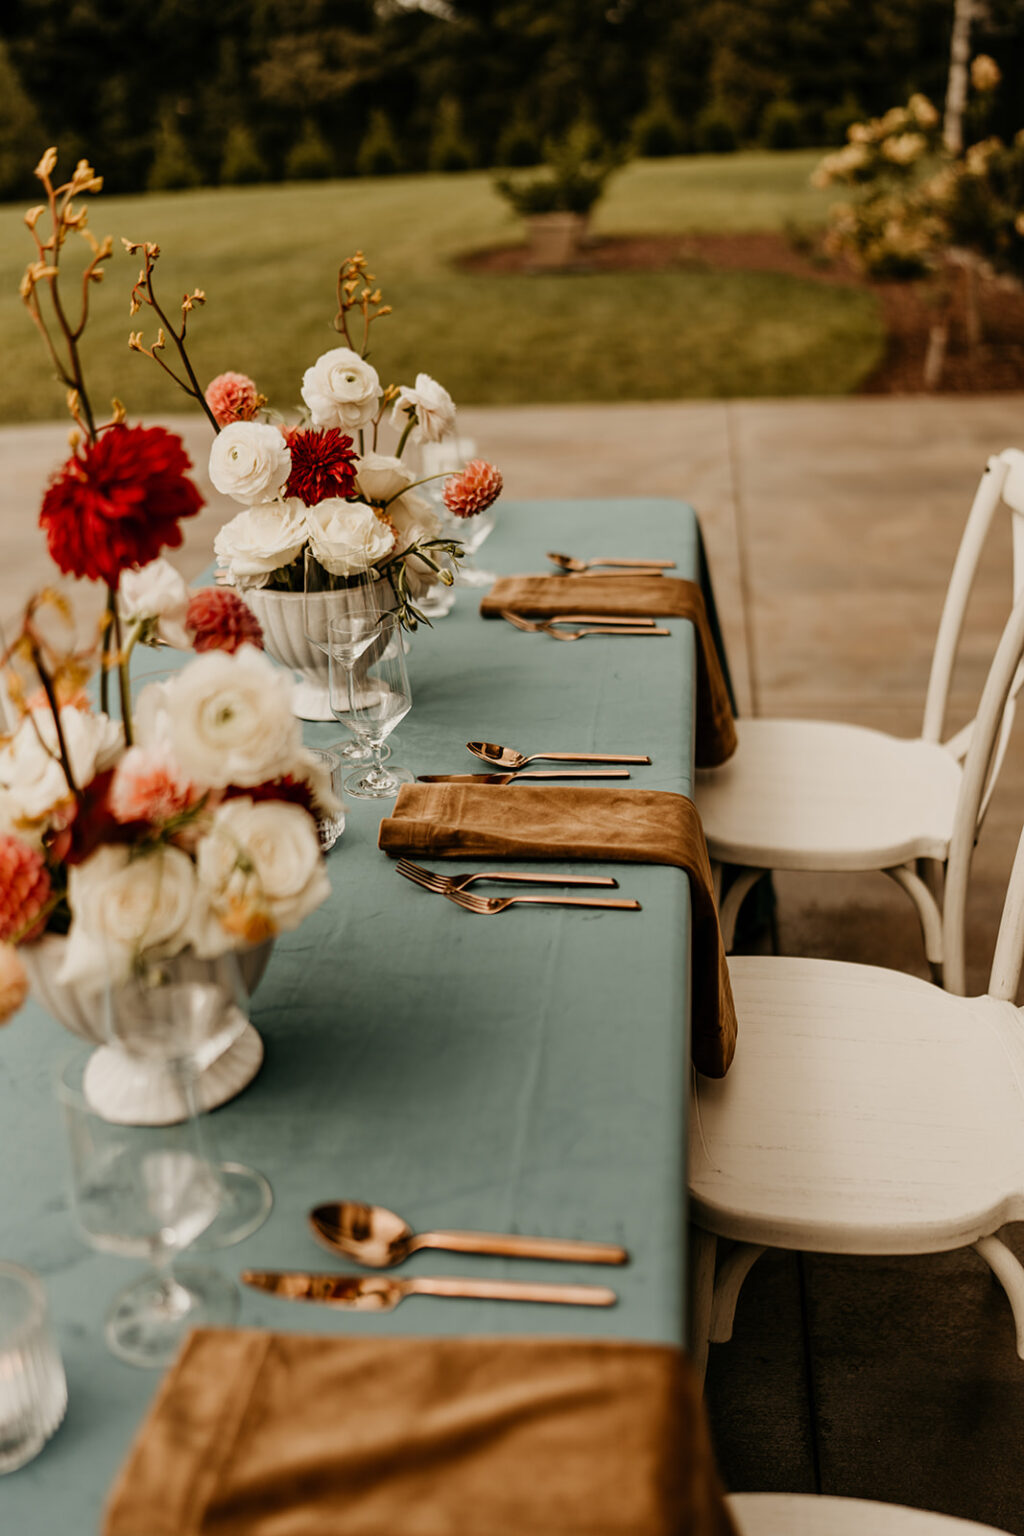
x=1002, y=482
x=1002, y=681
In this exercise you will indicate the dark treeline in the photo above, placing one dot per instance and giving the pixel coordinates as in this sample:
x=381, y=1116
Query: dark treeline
x=166, y=93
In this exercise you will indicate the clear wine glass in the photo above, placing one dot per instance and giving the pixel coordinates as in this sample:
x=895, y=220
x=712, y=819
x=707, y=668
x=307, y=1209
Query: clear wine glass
x=447, y=458
x=324, y=600
x=145, y=1192
x=370, y=698
x=186, y=1012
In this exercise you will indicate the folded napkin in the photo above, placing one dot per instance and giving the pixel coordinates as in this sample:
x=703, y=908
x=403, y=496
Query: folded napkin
x=541, y=597
x=636, y=826
x=277, y=1434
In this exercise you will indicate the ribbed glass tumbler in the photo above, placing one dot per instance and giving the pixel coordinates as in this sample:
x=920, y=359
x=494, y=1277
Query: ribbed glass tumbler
x=33, y=1392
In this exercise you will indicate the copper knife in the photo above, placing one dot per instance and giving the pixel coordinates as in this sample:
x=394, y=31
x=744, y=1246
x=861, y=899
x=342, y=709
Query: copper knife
x=382, y=1293
x=510, y=778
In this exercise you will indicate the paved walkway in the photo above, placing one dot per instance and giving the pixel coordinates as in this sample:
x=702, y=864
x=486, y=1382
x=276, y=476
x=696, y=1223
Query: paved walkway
x=831, y=527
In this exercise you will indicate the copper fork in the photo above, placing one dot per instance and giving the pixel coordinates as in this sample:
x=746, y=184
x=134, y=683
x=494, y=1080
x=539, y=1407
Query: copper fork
x=536, y=626
x=489, y=906
x=584, y=634
x=443, y=885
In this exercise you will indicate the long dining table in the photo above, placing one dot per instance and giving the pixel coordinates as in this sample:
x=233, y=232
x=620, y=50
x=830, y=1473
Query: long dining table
x=521, y=1073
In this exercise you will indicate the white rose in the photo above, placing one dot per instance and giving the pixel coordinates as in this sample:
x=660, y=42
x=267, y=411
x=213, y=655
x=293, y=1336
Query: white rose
x=379, y=476
x=157, y=598
x=228, y=716
x=341, y=390
x=250, y=461
x=416, y=521
x=347, y=537
x=261, y=539
x=122, y=905
x=32, y=782
x=434, y=408
x=259, y=862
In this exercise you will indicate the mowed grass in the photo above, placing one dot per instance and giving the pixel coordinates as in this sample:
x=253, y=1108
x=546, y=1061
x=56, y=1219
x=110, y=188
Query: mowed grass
x=267, y=258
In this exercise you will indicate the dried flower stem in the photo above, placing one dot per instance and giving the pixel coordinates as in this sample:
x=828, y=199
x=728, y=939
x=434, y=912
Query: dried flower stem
x=143, y=293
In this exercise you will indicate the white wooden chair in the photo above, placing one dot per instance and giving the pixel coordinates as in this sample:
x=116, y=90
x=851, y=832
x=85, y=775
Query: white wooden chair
x=819, y=795
x=808, y=1514
x=867, y=1111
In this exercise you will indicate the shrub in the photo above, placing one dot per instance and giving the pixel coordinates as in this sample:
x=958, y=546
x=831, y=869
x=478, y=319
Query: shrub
x=242, y=161
x=658, y=132
x=172, y=167
x=781, y=125
x=715, y=131
x=450, y=150
x=379, y=154
x=309, y=158
x=836, y=121
x=518, y=144
x=576, y=170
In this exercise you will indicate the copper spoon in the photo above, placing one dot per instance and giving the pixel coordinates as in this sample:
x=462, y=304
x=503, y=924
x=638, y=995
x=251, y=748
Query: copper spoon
x=643, y=567
x=507, y=757
x=376, y=1237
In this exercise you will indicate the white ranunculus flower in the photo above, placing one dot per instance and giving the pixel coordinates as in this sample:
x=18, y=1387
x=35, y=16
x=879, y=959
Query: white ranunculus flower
x=228, y=716
x=434, y=407
x=341, y=390
x=347, y=537
x=123, y=904
x=32, y=782
x=259, y=864
x=379, y=476
x=260, y=540
x=250, y=461
x=415, y=520
x=156, y=597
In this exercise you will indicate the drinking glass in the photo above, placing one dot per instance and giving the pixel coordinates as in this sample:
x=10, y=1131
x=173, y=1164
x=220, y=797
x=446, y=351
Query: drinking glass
x=33, y=1392
x=371, y=698
x=145, y=1192
x=330, y=828
x=447, y=458
x=323, y=600
x=186, y=1012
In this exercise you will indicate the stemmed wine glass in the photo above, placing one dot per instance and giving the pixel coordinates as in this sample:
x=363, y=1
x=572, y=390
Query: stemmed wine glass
x=371, y=699
x=145, y=1192
x=322, y=601
x=447, y=458
x=186, y=1012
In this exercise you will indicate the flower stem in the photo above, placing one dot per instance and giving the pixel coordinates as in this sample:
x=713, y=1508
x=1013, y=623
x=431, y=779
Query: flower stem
x=405, y=436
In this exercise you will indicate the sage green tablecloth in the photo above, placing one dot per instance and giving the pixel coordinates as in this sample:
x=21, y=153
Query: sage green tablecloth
x=524, y=1072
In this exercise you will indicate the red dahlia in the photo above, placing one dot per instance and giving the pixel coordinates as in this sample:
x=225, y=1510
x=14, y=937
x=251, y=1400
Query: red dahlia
x=474, y=490
x=218, y=620
x=117, y=502
x=323, y=465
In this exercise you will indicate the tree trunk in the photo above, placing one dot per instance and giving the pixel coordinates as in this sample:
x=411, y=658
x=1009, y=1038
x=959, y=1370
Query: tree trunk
x=956, y=88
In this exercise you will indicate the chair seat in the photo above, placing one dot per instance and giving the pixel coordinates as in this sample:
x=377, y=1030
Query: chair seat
x=796, y=1514
x=866, y=1111
x=814, y=794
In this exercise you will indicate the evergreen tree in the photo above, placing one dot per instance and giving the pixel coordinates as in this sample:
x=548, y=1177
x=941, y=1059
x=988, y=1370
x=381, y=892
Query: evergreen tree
x=22, y=136
x=173, y=168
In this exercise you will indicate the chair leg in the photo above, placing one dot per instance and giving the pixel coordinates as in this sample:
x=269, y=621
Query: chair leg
x=1009, y=1271
x=927, y=910
x=731, y=1276
x=729, y=909
x=703, y=1246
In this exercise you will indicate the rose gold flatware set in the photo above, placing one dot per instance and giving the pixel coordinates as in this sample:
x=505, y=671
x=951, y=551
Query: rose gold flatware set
x=574, y=567
x=597, y=624
x=497, y=756
x=377, y=1238
x=454, y=888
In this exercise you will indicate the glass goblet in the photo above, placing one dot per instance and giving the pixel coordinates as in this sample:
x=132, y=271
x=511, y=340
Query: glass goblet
x=145, y=1192
x=186, y=1012
x=370, y=696
x=326, y=597
x=447, y=458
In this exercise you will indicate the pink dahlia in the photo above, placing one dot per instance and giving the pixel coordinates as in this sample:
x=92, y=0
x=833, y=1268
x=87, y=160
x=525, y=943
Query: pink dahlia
x=147, y=786
x=233, y=397
x=323, y=465
x=13, y=982
x=474, y=490
x=24, y=890
x=218, y=620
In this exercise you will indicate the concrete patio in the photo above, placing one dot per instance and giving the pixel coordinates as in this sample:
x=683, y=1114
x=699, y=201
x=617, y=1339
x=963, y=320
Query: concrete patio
x=831, y=528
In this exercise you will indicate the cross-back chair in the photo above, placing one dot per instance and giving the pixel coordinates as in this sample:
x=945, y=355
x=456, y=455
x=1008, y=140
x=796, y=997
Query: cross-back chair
x=868, y=1111
x=825, y=796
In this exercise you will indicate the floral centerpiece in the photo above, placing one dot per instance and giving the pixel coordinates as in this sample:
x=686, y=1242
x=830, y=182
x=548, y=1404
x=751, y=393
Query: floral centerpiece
x=318, y=483
x=188, y=822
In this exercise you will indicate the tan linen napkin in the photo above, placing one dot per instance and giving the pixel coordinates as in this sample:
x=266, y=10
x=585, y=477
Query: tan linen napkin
x=540, y=597
x=637, y=826
x=277, y=1434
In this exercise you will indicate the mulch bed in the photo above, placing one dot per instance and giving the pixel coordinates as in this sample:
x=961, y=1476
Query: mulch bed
x=996, y=364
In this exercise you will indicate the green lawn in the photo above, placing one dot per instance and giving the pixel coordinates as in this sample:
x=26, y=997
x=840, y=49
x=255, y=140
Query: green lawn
x=267, y=258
